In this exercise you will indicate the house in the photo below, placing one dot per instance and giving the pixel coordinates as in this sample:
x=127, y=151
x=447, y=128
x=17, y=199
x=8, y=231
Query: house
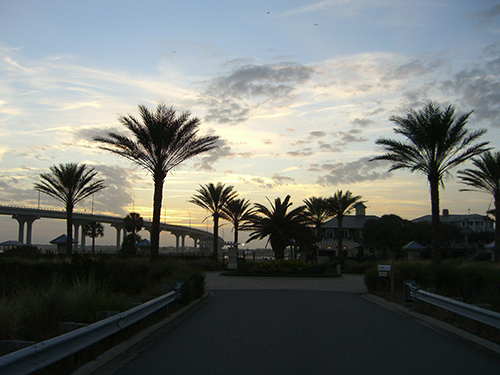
x=470, y=224
x=352, y=232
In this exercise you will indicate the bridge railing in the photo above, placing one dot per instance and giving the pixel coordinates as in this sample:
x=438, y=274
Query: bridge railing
x=42, y=354
x=413, y=292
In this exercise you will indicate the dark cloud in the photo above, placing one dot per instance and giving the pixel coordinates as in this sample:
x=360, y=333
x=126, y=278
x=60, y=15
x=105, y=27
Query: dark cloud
x=276, y=180
x=307, y=151
x=281, y=180
x=489, y=15
x=117, y=194
x=317, y=134
x=226, y=96
x=478, y=90
x=362, y=122
x=352, y=172
x=412, y=69
x=223, y=150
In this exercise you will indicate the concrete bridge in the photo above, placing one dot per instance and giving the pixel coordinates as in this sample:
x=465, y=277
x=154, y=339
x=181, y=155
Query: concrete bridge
x=27, y=216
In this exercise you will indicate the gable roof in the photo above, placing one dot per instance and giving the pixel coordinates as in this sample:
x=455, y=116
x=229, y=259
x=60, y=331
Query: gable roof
x=349, y=222
x=61, y=240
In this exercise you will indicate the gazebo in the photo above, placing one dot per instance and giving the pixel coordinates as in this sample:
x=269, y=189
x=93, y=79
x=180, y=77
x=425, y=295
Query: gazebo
x=413, y=250
x=62, y=243
x=144, y=246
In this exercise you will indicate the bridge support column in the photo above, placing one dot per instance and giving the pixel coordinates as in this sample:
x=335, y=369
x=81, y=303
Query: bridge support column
x=28, y=220
x=77, y=225
x=120, y=228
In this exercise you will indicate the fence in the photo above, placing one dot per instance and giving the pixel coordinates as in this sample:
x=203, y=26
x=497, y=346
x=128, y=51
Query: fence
x=413, y=292
x=42, y=354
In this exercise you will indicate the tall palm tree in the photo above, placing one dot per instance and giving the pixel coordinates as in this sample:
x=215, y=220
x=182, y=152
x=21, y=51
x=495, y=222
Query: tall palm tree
x=93, y=229
x=69, y=183
x=339, y=205
x=279, y=224
x=214, y=198
x=436, y=142
x=160, y=142
x=239, y=213
x=486, y=178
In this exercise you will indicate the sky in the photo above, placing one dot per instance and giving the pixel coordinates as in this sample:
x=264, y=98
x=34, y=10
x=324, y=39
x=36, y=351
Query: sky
x=297, y=91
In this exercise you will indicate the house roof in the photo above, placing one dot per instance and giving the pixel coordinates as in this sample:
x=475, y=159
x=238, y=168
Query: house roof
x=451, y=218
x=61, y=240
x=143, y=243
x=413, y=246
x=11, y=243
x=349, y=222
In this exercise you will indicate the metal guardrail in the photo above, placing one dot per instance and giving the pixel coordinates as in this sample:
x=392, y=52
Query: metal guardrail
x=413, y=292
x=42, y=354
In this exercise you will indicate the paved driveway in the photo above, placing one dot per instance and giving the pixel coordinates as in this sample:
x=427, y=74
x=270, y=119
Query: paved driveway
x=346, y=283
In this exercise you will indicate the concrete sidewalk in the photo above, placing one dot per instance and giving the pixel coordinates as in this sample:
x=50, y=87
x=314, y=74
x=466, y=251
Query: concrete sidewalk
x=347, y=283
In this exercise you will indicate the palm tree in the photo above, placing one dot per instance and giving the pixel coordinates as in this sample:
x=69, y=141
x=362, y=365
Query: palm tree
x=317, y=214
x=133, y=223
x=239, y=213
x=93, y=229
x=279, y=224
x=160, y=142
x=339, y=205
x=214, y=198
x=486, y=178
x=435, y=143
x=69, y=183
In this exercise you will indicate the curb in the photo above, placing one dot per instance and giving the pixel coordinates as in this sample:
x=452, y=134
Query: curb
x=104, y=359
x=435, y=323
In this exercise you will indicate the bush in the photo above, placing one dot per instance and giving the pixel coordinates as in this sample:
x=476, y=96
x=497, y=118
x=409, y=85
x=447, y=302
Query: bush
x=37, y=295
x=475, y=282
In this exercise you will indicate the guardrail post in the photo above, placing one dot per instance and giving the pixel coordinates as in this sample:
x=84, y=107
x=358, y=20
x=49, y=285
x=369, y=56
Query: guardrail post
x=408, y=292
x=180, y=288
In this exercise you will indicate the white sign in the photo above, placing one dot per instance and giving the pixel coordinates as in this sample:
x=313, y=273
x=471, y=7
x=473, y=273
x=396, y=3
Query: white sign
x=384, y=267
x=382, y=273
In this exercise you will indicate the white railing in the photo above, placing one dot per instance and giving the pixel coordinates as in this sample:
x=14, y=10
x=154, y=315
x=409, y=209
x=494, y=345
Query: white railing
x=413, y=292
x=42, y=354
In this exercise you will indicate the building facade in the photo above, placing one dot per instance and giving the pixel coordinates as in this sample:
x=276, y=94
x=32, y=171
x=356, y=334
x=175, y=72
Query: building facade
x=352, y=232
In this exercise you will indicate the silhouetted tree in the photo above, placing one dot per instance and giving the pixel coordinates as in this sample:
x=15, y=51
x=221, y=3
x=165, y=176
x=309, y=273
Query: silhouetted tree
x=435, y=143
x=69, y=183
x=160, y=142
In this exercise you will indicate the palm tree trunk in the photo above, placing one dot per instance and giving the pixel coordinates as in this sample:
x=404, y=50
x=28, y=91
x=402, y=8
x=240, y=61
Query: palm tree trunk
x=279, y=251
x=436, y=222
x=215, y=244
x=340, y=235
x=497, y=228
x=69, y=229
x=155, y=226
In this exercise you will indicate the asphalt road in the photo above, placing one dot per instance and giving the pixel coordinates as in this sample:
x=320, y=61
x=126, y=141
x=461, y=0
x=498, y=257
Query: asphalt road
x=291, y=331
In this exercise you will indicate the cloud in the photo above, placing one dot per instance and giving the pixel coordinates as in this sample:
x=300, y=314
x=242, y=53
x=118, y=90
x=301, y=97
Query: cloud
x=487, y=16
x=352, y=172
x=362, y=122
x=412, y=69
x=478, y=90
x=223, y=150
x=117, y=193
x=281, y=180
x=231, y=98
x=307, y=151
x=268, y=183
